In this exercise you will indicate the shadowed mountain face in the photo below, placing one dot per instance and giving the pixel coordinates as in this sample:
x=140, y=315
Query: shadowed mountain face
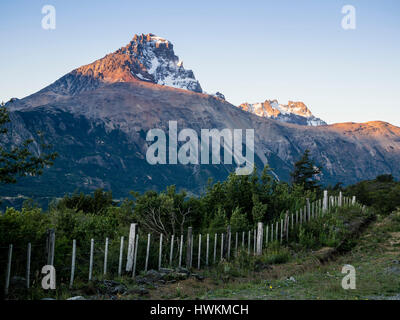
x=98, y=126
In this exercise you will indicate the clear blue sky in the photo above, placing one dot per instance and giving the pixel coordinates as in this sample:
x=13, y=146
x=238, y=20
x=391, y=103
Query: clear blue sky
x=248, y=50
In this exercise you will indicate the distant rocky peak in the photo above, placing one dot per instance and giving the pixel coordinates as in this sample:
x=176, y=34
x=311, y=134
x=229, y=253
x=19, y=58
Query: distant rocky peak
x=293, y=112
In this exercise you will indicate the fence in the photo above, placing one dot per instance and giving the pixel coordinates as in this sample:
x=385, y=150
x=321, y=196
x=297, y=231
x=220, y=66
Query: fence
x=179, y=251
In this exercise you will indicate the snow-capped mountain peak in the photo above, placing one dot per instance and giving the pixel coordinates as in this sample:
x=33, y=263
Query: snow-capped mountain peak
x=155, y=61
x=293, y=112
x=146, y=58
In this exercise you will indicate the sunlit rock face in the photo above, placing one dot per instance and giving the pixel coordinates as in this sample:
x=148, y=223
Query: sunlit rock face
x=293, y=112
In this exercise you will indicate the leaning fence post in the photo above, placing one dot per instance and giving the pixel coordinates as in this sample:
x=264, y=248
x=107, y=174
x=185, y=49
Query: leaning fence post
x=10, y=249
x=131, y=247
x=121, y=251
x=28, y=265
x=199, y=253
x=260, y=231
x=91, y=259
x=180, y=251
x=207, y=248
x=160, y=252
x=171, y=252
x=105, y=256
x=189, y=248
x=71, y=281
x=147, y=252
x=135, y=256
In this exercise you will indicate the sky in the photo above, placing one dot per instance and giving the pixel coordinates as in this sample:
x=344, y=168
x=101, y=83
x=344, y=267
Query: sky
x=250, y=51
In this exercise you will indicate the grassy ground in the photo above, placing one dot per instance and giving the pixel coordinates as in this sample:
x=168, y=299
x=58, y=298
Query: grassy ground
x=375, y=257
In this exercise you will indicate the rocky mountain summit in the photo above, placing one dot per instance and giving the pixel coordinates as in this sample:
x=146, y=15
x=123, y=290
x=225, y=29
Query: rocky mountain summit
x=146, y=58
x=293, y=112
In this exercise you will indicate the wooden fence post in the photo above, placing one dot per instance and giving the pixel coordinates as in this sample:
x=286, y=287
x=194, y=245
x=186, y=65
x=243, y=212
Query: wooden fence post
x=207, y=248
x=266, y=236
x=281, y=230
x=71, y=281
x=243, y=240
x=105, y=256
x=308, y=209
x=191, y=252
x=325, y=202
x=353, y=201
x=135, y=256
x=272, y=232
x=236, y=244
x=51, y=240
x=180, y=251
x=248, y=243
x=160, y=252
x=28, y=265
x=147, y=252
x=340, y=199
x=189, y=248
x=199, y=253
x=171, y=252
x=276, y=230
x=222, y=246
x=215, y=247
x=8, y=274
x=131, y=247
x=121, y=252
x=287, y=229
x=260, y=232
x=229, y=242
x=255, y=241
x=91, y=259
